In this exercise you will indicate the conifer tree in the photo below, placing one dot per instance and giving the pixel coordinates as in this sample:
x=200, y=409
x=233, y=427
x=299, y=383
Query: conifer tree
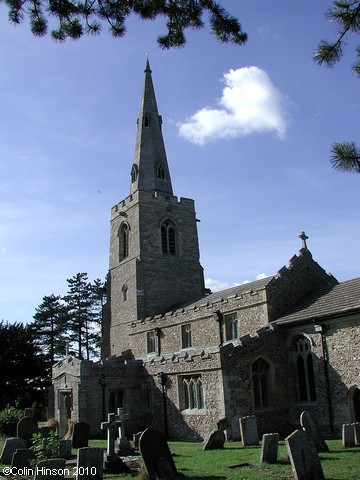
x=50, y=326
x=80, y=306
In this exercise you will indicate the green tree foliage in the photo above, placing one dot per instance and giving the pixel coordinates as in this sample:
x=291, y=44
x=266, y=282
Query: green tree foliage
x=83, y=323
x=49, y=326
x=345, y=156
x=99, y=299
x=23, y=368
x=74, y=19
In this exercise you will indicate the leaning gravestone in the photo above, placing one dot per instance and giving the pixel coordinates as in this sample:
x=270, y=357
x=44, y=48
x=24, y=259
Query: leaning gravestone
x=269, y=448
x=80, y=435
x=216, y=439
x=22, y=458
x=249, y=431
x=311, y=426
x=304, y=458
x=50, y=469
x=90, y=463
x=156, y=455
x=26, y=427
x=10, y=446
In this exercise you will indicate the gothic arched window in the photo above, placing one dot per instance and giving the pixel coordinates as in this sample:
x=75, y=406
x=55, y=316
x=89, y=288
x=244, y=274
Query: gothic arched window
x=192, y=393
x=168, y=238
x=134, y=173
x=161, y=173
x=124, y=237
x=305, y=369
x=260, y=372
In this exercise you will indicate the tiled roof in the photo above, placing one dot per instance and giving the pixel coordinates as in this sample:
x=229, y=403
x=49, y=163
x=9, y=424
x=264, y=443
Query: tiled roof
x=335, y=300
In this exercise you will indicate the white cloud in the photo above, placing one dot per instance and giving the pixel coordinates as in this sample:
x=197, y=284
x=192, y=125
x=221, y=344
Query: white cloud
x=250, y=103
x=215, y=285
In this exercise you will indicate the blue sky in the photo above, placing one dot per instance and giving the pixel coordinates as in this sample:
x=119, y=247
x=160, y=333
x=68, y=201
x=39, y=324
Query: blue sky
x=247, y=132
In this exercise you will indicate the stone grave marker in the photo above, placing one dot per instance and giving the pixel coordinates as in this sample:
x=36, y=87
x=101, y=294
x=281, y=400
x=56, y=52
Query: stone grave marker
x=156, y=455
x=50, y=469
x=216, y=439
x=269, y=448
x=90, y=463
x=46, y=430
x=80, y=435
x=311, y=426
x=348, y=435
x=136, y=438
x=26, y=427
x=113, y=463
x=10, y=446
x=29, y=412
x=65, y=448
x=304, y=458
x=22, y=457
x=249, y=431
x=122, y=442
x=357, y=433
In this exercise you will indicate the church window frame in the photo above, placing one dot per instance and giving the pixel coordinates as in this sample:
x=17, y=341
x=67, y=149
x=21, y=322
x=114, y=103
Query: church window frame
x=124, y=241
x=261, y=383
x=304, y=368
x=231, y=325
x=191, y=393
x=161, y=172
x=151, y=342
x=169, y=238
x=186, y=335
x=134, y=173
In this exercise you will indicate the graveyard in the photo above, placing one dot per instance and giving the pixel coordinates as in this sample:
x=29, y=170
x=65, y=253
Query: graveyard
x=303, y=455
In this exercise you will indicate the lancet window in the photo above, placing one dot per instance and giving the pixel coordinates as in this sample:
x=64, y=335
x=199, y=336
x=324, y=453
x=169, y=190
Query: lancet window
x=168, y=238
x=261, y=383
x=305, y=369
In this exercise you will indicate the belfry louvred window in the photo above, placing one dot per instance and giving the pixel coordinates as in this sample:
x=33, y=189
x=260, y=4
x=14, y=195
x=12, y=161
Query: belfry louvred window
x=124, y=234
x=168, y=238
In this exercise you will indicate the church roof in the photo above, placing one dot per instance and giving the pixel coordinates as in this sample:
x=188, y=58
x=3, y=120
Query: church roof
x=336, y=300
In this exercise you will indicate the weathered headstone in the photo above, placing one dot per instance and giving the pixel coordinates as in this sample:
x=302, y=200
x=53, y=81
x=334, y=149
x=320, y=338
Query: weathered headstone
x=216, y=439
x=357, y=433
x=29, y=412
x=311, y=426
x=304, y=458
x=22, y=458
x=26, y=427
x=348, y=435
x=50, y=469
x=10, y=446
x=64, y=448
x=136, y=438
x=112, y=426
x=80, y=435
x=46, y=431
x=156, y=455
x=90, y=463
x=269, y=448
x=249, y=431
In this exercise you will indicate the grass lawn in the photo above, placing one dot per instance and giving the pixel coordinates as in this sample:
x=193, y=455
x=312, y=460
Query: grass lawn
x=195, y=464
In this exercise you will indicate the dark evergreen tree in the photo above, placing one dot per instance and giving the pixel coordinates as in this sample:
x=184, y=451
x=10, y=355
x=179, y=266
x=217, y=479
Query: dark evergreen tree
x=80, y=306
x=50, y=326
x=24, y=375
x=345, y=156
x=100, y=297
x=75, y=19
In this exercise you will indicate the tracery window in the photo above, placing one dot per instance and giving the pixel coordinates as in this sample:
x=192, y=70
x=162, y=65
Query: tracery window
x=305, y=369
x=124, y=236
x=261, y=383
x=192, y=393
x=168, y=238
x=161, y=173
x=151, y=342
x=231, y=326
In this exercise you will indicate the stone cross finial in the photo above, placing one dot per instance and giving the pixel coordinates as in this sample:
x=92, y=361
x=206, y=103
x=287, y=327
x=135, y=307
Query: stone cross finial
x=112, y=426
x=303, y=237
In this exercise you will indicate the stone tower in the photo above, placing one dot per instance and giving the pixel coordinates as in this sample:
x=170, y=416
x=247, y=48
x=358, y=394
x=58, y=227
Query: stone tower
x=154, y=251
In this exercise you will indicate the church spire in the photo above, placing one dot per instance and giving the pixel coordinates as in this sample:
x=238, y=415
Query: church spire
x=150, y=169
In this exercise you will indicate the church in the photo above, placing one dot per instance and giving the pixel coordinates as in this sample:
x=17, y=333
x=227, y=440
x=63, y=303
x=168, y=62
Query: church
x=177, y=357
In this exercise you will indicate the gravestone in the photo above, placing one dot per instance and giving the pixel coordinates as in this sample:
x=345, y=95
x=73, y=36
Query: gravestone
x=50, y=469
x=216, y=439
x=357, y=433
x=65, y=448
x=113, y=463
x=22, y=458
x=10, y=446
x=348, y=435
x=304, y=458
x=90, y=463
x=156, y=455
x=26, y=427
x=122, y=442
x=311, y=426
x=46, y=431
x=249, y=431
x=80, y=435
x=269, y=448
x=29, y=412
x=136, y=438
